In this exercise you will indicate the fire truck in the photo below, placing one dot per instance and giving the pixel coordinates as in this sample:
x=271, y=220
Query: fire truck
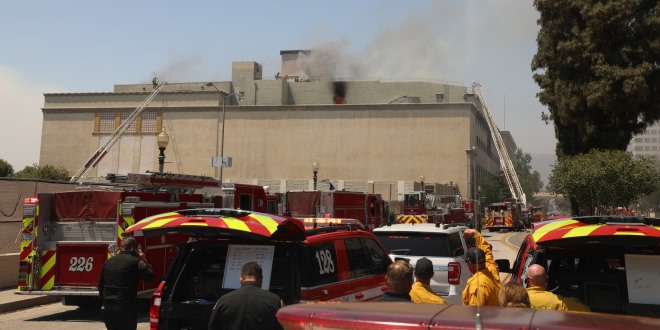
x=505, y=215
x=369, y=209
x=68, y=235
x=537, y=214
x=421, y=207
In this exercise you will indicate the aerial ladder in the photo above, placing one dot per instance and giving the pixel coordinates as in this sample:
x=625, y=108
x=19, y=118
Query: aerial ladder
x=103, y=150
x=505, y=162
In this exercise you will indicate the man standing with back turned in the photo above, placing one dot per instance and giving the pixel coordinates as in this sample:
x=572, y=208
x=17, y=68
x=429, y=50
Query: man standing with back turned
x=118, y=285
x=421, y=292
x=248, y=307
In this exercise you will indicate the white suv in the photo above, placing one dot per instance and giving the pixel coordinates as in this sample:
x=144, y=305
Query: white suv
x=442, y=244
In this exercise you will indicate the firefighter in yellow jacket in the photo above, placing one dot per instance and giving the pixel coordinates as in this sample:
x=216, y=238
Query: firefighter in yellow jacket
x=484, y=285
x=541, y=298
x=421, y=291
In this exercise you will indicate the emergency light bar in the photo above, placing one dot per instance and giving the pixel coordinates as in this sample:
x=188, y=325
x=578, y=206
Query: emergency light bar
x=31, y=200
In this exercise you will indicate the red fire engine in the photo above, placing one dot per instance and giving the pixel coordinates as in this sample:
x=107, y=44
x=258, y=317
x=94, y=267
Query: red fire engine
x=505, y=215
x=369, y=209
x=67, y=236
x=537, y=214
x=420, y=207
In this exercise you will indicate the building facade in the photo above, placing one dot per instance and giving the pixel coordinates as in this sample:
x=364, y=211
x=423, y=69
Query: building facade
x=374, y=136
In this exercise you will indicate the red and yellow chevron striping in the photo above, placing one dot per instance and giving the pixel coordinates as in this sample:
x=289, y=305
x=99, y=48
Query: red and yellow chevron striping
x=568, y=228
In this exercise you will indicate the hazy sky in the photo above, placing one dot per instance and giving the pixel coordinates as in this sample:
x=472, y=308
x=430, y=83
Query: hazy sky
x=76, y=47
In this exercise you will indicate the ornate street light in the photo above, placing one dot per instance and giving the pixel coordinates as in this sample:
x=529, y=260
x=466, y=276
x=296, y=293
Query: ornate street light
x=315, y=169
x=163, y=140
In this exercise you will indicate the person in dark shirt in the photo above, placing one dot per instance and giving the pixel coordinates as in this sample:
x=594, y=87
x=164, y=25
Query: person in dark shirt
x=118, y=285
x=399, y=281
x=248, y=307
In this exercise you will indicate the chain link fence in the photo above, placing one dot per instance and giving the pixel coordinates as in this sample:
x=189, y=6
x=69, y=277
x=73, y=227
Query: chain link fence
x=12, y=194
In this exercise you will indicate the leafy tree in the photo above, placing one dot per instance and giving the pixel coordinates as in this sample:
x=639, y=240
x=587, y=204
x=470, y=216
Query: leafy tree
x=48, y=172
x=598, y=67
x=602, y=180
x=530, y=180
x=5, y=168
x=494, y=188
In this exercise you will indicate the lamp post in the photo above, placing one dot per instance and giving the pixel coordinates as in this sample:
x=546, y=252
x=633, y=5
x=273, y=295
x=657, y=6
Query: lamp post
x=315, y=169
x=421, y=180
x=477, y=209
x=163, y=140
x=471, y=153
x=223, y=97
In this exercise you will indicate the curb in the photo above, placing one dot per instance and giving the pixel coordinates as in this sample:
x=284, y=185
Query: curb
x=26, y=303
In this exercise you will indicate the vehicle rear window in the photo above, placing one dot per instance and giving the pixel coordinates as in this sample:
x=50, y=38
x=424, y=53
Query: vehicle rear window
x=416, y=244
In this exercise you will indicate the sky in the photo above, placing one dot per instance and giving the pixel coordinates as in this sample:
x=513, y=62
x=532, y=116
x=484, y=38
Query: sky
x=69, y=46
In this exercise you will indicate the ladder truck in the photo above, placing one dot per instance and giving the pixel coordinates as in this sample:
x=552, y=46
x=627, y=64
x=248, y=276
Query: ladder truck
x=103, y=150
x=506, y=165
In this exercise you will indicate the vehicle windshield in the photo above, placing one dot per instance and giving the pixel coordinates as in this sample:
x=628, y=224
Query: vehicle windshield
x=420, y=244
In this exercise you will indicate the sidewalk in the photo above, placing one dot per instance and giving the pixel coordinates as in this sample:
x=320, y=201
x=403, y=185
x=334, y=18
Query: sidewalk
x=9, y=301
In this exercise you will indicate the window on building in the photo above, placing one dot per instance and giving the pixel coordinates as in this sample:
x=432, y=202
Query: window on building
x=149, y=122
x=106, y=122
x=146, y=123
x=131, y=127
x=439, y=98
x=638, y=148
x=638, y=140
x=647, y=148
x=647, y=140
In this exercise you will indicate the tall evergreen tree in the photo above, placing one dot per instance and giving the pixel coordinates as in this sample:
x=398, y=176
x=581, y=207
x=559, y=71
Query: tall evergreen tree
x=598, y=67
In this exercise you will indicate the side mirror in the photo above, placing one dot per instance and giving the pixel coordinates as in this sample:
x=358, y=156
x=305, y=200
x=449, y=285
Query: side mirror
x=504, y=265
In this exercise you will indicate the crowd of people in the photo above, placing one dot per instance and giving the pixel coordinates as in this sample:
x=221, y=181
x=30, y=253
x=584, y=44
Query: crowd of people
x=483, y=288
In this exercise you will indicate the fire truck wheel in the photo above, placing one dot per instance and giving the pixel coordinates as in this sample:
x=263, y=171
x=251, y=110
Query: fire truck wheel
x=491, y=229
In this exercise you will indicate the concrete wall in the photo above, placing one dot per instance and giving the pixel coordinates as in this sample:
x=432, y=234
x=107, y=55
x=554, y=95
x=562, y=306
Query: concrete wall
x=9, y=273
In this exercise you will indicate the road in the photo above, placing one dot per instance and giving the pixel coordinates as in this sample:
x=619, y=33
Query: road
x=57, y=316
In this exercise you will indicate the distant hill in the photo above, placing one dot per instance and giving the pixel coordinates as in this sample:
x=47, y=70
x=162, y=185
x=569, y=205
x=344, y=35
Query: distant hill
x=543, y=164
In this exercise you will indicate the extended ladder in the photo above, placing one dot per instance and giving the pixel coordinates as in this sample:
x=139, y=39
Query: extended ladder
x=103, y=150
x=506, y=164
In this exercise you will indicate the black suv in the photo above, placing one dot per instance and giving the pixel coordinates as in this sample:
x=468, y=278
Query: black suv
x=324, y=264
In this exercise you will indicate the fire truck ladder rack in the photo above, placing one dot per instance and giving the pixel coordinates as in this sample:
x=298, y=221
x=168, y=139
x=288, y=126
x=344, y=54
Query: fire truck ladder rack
x=170, y=180
x=103, y=150
x=507, y=165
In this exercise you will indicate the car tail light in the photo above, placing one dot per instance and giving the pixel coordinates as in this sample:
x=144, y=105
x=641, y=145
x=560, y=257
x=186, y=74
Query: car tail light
x=454, y=275
x=154, y=311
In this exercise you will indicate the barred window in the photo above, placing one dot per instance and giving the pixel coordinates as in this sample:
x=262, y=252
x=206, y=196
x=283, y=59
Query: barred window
x=106, y=122
x=148, y=124
x=131, y=127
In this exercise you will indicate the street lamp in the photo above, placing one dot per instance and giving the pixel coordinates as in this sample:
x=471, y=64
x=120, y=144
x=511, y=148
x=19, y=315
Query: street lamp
x=421, y=180
x=471, y=153
x=315, y=169
x=477, y=209
x=163, y=140
x=223, y=97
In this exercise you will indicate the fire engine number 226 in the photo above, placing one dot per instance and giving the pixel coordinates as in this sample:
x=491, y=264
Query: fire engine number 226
x=81, y=264
x=326, y=265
